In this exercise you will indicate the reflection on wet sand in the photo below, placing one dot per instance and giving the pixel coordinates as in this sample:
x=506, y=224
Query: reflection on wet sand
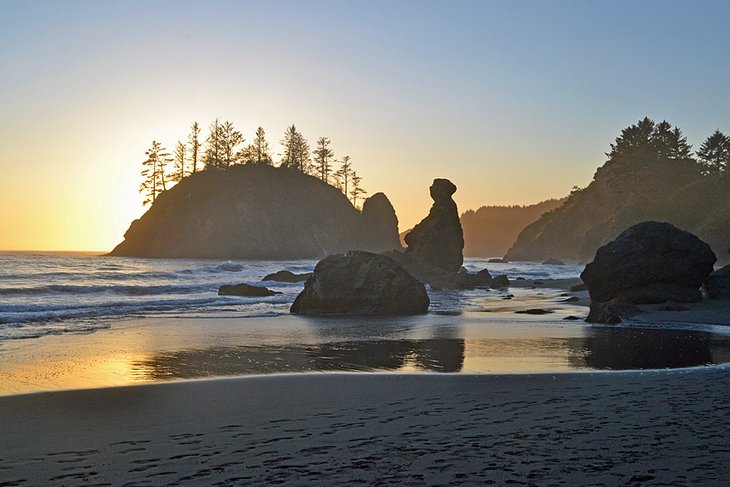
x=600, y=349
x=619, y=348
x=434, y=355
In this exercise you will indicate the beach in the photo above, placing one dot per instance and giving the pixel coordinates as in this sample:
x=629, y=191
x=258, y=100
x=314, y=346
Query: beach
x=479, y=391
x=635, y=428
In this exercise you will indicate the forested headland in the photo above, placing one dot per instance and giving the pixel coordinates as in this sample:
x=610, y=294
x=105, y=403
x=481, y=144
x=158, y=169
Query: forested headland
x=651, y=173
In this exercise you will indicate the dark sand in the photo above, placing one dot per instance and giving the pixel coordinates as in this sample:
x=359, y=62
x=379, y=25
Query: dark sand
x=648, y=428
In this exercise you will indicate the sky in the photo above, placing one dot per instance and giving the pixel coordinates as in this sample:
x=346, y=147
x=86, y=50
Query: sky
x=515, y=102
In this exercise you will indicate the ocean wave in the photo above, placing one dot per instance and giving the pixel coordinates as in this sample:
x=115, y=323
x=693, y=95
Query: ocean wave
x=127, y=289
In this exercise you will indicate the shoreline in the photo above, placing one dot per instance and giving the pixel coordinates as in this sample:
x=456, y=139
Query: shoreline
x=575, y=428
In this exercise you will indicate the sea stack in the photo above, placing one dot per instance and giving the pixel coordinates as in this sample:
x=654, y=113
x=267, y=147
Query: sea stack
x=438, y=241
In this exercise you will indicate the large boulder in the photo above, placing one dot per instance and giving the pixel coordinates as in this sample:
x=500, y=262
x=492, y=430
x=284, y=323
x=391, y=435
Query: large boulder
x=438, y=240
x=361, y=283
x=651, y=262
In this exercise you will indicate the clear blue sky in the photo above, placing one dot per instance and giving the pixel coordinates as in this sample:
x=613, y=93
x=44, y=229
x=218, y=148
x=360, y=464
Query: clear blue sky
x=513, y=101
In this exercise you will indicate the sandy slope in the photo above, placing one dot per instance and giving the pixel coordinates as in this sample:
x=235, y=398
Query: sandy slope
x=650, y=428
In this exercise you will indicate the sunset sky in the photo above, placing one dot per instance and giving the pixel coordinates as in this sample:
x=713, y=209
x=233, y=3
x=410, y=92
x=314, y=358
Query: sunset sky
x=515, y=102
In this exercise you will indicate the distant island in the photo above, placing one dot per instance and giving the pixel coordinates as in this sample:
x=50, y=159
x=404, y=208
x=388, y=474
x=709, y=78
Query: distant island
x=214, y=199
x=256, y=211
x=651, y=174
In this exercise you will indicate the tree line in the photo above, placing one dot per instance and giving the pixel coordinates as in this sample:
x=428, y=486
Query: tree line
x=661, y=141
x=223, y=148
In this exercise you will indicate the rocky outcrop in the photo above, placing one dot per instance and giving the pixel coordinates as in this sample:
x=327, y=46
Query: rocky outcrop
x=361, y=283
x=624, y=193
x=257, y=212
x=287, y=276
x=379, y=227
x=438, y=241
x=245, y=290
x=651, y=262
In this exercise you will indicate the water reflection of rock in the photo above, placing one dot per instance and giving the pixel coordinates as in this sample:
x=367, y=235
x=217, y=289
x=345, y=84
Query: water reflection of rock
x=616, y=348
x=428, y=355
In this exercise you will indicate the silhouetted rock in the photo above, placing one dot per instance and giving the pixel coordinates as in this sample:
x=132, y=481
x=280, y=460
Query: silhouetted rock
x=552, y=261
x=437, y=242
x=718, y=283
x=484, y=278
x=287, y=276
x=499, y=282
x=245, y=290
x=379, y=228
x=497, y=261
x=257, y=212
x=534, y=311
x=612, y=311
x=361, y=283
x=651, y=262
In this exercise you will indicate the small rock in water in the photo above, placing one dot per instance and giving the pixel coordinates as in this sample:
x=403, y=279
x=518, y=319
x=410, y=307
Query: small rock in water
x=287, y=276
x=245, y=290
x=534, y=311
x=500, y=282
x=552, y=261
x=571, y=299
x=578, y=288
x=497, y=261
x=571, y=318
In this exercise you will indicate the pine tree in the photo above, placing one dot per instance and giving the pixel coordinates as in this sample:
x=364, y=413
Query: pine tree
x=344, y=175
x=296, y=150
x=153, y=172
x=180, y=161
x=214, y=157
x=322, y=159
x=356, y=190
x=230, y=139
x=261, y=149
x=714, y=153
x=194, y=143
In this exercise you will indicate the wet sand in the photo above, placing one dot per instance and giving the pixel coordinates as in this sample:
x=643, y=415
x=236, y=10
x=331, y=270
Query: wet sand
x=648, y=428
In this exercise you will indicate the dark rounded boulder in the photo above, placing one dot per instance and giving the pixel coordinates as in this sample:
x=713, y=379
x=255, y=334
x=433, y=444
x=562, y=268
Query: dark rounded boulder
x=361, y=283
x=651, y=262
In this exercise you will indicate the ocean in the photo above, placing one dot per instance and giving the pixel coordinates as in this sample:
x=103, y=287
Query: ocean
x=43, y=293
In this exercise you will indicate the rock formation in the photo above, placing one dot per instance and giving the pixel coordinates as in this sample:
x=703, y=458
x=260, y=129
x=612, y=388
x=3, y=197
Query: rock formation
x=361, y=283
x=651, y=262
x=245, y=290
x=258, y=212
x=287, y=276
x=438, y=241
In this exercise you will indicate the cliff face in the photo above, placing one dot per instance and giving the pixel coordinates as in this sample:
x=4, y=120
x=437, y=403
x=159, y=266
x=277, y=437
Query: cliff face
x=623, y=194
x=257, y=212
